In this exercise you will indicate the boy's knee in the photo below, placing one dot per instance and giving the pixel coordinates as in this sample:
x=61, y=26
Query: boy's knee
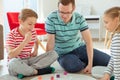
x=16, y=66
x=53, y=54
x=12, y=67
x=13, y=62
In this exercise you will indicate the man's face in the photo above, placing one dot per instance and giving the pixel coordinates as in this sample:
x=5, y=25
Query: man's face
x=65, y=12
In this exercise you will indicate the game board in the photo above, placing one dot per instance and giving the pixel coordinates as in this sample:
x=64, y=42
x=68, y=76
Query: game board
x=98, y=71
x=69, y=76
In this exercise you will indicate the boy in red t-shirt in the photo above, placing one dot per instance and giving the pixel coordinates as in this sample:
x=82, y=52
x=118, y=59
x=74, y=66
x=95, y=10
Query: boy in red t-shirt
x=22, y=48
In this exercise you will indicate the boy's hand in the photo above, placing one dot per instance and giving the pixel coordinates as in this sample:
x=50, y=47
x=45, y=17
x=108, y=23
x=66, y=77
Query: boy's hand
x=28, y=37
x=34, y=53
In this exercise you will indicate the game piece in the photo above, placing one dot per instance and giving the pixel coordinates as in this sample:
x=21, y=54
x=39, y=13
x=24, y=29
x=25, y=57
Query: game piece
x=65, y=73
x=39, y=77
x=20, y=76
x=52, y=78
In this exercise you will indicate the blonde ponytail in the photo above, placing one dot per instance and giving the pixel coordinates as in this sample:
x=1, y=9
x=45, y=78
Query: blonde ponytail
x=108, y=39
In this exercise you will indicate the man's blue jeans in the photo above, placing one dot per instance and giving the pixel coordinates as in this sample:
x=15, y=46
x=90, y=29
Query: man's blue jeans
x=77, y=59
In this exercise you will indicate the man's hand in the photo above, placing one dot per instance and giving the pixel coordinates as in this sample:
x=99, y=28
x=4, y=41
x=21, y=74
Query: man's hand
x=88, y=69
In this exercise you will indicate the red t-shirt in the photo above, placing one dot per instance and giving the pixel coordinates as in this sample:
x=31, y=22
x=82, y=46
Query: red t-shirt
x=15, y=38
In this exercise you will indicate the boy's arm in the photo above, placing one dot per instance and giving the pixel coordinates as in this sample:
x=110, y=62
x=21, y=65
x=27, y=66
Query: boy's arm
x=14, y=52
x=35, y=51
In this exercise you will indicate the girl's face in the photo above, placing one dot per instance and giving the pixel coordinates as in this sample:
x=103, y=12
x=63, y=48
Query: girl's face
x=110, y=23
x=29, y=23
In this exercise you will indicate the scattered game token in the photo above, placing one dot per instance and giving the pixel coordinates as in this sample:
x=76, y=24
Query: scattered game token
x=65, y=73
x=52, y=78
x=39, y=77
x=57, y=76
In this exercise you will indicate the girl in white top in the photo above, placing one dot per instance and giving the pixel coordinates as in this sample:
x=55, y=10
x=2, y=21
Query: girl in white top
x=112, y=23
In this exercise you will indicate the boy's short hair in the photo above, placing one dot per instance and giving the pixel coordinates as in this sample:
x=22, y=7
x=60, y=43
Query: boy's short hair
x=25, y=13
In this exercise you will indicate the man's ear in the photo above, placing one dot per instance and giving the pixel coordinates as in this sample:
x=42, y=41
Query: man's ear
x=74, y=8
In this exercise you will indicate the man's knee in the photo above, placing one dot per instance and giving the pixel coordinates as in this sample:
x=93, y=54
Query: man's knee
x=72, y=66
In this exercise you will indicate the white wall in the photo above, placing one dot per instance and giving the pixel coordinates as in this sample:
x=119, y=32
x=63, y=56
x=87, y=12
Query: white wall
x=98, y=6
x=46, y=6
x=101, y=5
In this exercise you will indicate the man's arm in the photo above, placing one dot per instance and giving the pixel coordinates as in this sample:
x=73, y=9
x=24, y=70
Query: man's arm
x=50, y=42
x=89, y=46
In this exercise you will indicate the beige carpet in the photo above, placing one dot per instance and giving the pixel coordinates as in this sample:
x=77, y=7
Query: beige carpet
x=59, y=70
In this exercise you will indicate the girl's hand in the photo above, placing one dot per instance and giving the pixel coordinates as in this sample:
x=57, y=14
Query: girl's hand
x=105, y=77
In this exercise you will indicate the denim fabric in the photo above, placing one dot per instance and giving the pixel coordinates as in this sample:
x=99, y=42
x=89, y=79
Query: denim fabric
x=77, y=59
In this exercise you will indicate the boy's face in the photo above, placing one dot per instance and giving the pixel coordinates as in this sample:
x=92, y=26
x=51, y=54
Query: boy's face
x=66, y=12
x=29, y=23
x=110, y=23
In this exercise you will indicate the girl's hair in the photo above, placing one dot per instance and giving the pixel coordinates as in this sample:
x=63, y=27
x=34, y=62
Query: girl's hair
x=66, y=2
x=25, y=13
x=112, y=13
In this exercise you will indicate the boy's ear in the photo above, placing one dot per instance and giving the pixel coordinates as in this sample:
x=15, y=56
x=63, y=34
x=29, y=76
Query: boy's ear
x=20, y=21
x=118, y=20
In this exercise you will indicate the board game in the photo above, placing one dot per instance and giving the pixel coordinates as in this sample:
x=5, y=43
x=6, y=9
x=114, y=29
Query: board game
x=61, y=76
